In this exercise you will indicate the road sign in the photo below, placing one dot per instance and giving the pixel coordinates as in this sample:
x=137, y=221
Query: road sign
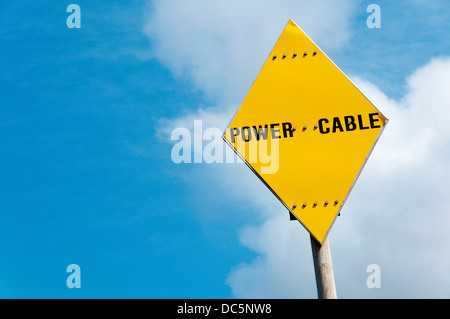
x=305, y=130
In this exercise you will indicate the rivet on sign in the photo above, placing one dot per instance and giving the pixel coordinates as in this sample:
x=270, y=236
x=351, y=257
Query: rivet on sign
x=315, y=204
x=304, y=205
x=274, y=57
x=295, y=206
x=295, y=54
x=294, y=129
x=315, y=52
x=336, y=202
x=305, y=54
x=315, y=126
x=326, y=203
x=284, y=56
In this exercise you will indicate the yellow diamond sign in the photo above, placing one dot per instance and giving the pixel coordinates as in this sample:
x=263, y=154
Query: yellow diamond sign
x=305, y=130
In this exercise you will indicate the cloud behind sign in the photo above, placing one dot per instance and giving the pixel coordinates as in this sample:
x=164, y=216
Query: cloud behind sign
x=397, y=216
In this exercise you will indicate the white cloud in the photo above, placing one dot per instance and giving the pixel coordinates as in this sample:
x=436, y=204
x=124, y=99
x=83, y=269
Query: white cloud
x=284, y=267
x=397, y=215
x=221, y=45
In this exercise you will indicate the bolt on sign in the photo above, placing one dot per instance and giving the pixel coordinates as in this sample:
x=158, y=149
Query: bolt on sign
x=305, y=130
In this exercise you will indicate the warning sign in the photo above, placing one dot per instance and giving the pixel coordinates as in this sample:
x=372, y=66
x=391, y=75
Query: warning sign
x=305, y=130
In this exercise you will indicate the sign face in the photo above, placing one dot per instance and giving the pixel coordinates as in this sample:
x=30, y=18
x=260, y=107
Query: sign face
x=305, y=130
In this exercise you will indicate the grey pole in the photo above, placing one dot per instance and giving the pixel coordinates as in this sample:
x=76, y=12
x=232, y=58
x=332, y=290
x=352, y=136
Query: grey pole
x=323, y=269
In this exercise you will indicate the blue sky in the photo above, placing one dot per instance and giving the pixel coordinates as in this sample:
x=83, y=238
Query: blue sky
x=85, y=166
